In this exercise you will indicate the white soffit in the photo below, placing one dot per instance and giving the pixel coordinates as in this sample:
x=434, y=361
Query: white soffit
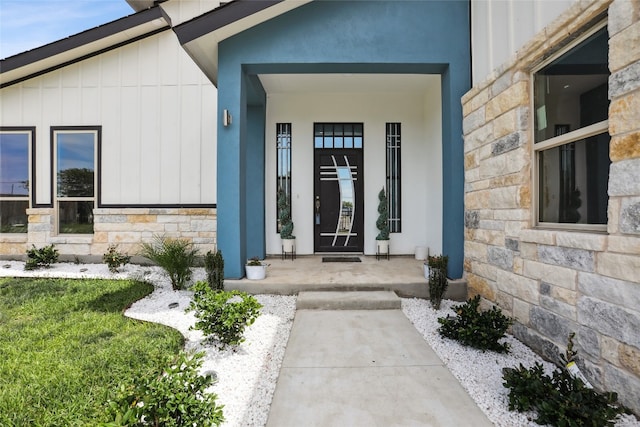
x=204, y=49
x=354, y=83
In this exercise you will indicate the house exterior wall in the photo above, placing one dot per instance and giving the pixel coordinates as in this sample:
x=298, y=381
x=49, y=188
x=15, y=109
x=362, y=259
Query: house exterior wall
x=338, y=37
x=183, y=10
x=551, y=281
x=500, y=27
x=420, y=118
x=156, y=112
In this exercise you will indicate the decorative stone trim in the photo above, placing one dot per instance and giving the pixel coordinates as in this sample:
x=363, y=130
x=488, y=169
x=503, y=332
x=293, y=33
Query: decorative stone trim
x=127, y=228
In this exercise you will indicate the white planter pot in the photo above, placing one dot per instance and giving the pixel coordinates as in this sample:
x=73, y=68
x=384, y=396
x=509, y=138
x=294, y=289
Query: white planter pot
x=426, y=270
x=256, y=272
x=288, y=245
x=383, y=246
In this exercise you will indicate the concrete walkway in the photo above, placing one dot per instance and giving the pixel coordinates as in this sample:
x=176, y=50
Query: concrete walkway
x=364, y=367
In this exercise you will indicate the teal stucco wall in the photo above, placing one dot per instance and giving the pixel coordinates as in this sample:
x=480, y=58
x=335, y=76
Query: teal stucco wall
x=430, y=37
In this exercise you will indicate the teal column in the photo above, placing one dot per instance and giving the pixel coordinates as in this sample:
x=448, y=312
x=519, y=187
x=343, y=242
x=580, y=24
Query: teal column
x=255, y=182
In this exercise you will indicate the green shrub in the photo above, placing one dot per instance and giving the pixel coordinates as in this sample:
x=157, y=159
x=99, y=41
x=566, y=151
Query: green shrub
x=284, y=215
x=382, y=223
x=437, y=279
x=559, y=400
x=175, y=256
x=214, y=266
x=254, y=261
x=175, y=397
x=41, y=258
x=562, y=399
x=114, y=259
x=476, y=329
x=223, y=315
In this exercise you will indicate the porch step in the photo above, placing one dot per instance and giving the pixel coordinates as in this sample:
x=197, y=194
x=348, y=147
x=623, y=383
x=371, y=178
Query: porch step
x=350, y=300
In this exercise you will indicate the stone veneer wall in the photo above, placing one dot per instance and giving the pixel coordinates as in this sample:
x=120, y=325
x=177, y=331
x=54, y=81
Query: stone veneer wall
x=556, y=282
x=126, y=227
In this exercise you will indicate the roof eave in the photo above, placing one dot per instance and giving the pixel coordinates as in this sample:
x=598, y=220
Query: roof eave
x=85, y=44
x=201, y=35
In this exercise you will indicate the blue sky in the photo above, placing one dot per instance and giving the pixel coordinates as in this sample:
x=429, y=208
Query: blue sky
x=27, y=24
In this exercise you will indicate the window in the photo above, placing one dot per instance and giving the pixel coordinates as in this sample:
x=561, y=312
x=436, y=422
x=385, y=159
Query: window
x=571, y=134
x=337, y=135
x=14, y=179
x=393, y=176
x=75, y=178
x=283, y=163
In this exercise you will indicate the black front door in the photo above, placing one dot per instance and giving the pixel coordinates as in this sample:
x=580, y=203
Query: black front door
x=338, y=200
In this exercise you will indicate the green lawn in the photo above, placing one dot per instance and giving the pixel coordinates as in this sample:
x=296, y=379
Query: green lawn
x=65, y=346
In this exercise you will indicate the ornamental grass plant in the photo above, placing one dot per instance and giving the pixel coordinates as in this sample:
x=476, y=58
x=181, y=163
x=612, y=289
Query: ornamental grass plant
x=175, y=256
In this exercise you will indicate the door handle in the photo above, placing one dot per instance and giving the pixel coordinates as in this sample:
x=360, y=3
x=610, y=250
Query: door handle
x=317, y=210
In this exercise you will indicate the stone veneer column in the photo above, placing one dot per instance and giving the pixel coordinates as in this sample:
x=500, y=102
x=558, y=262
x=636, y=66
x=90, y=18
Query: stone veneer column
x=555, y=282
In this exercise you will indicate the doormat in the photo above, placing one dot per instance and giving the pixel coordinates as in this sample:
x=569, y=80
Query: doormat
x=340, y=259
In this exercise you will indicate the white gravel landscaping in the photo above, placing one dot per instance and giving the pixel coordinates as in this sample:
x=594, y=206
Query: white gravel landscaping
x=247, y=375
x=480, y=373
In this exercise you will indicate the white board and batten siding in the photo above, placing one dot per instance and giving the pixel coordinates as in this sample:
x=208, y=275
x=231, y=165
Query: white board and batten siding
x=500, y=27
x=157, y=111
x=420, y=115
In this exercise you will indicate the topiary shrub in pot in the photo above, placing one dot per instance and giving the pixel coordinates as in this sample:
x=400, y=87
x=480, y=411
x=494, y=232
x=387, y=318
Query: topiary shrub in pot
x=382, y=223
x=286, y=224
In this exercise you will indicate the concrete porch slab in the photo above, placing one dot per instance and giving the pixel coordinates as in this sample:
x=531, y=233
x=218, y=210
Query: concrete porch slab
x=400, y=274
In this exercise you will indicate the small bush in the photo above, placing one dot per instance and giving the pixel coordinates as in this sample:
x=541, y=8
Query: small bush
x=476, y=329
x=214, y=266
x=177, y=397
x=41, y=258
x=254, y=261
x=562, y=399
x=175, y=256
x=437, y=279
x=223, y=315
x=114, y=259
x=559, y=400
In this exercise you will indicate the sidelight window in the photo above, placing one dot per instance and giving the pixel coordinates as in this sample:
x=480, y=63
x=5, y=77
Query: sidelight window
x=393, y=177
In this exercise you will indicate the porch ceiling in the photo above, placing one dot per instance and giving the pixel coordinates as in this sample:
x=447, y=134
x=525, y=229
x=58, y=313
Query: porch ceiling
x=289, y=83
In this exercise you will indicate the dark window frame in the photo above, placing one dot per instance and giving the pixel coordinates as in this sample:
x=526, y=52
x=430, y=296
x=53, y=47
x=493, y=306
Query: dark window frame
x=54, y=130
x=283, y=154
x=338, y=133
x=393, y=154
x=30, y=198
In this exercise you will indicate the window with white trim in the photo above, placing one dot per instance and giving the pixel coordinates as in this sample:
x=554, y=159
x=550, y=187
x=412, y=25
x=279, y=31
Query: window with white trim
x=75, y=179
x=570, y=95
x=15, y=154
